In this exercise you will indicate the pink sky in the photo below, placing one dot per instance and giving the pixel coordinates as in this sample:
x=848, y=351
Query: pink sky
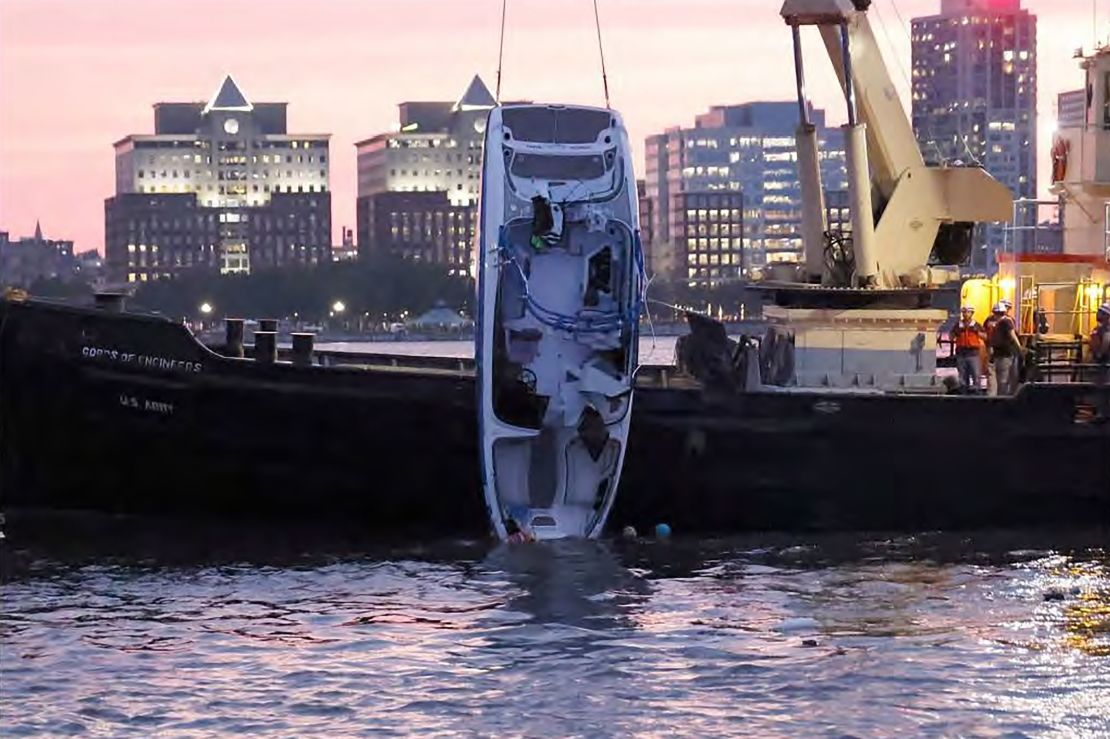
x=76, y=75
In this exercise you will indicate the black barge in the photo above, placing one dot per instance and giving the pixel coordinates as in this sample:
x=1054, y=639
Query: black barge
x=127, y=412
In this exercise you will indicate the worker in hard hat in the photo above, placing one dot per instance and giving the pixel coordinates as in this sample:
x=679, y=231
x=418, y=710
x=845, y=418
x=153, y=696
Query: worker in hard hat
x=1099, y=343
x=969, y=338
x=988, y=326
x=1017, y=367
x=1005, y=349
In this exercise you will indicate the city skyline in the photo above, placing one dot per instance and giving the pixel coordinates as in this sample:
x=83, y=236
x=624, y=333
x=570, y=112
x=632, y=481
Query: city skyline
x=344, y=67
x=746, y=149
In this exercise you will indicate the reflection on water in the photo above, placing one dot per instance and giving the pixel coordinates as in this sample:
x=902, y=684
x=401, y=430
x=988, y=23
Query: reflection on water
x=276, y=633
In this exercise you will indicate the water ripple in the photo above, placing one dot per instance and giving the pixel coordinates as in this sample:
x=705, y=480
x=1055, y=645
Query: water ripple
x=977, y=635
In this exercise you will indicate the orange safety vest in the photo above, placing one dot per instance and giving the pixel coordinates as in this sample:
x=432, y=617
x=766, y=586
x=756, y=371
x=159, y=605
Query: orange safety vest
x=1060, y=150
x=967, y=336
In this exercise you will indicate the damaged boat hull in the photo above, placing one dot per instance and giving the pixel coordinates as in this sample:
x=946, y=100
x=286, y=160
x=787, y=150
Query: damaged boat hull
x=559, y=281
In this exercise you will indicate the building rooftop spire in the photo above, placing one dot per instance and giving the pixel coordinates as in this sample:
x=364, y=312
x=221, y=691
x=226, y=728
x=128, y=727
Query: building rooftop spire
x=228, y=97
x=476, y=97
x=38, y=231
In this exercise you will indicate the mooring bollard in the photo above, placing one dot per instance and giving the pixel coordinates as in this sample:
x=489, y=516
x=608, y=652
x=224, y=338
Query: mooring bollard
x=111, y=302
x=302, y=349
x=265, y=346
x=234, y=346
x=268, y=324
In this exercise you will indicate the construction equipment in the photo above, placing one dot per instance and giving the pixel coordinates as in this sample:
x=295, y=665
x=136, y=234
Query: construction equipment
x=905, y=215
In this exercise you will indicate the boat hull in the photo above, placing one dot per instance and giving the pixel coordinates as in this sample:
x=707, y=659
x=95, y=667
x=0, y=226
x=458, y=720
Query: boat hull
x=559, y=281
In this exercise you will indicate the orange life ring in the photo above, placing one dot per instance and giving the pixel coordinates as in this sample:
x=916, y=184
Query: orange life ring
x=1060, y=150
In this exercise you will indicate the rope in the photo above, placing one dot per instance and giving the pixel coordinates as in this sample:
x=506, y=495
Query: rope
x=901, y=21
x=501, y=51
x=893, y=49
x=675, y=308
x=930, y=132
x=651, y=323
x=601, y=53
x=588, y=323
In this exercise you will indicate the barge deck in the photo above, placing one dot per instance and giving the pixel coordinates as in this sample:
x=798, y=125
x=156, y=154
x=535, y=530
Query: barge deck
x=128, y=412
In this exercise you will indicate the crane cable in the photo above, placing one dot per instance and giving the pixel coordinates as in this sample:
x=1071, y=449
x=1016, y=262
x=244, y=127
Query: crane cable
x=893, y=48
x=901, y=21
x=501, y=51
x=930, y=132
x=931, y=139
x=601, y=53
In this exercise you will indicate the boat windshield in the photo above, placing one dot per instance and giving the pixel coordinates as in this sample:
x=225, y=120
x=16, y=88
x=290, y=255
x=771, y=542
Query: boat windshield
x=556, y=125
x=556, y=167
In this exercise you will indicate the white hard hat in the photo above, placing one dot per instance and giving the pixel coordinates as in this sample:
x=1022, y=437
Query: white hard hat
x=1104, y=309
x=1006, y=304
x=968, y=307
x=998, y=308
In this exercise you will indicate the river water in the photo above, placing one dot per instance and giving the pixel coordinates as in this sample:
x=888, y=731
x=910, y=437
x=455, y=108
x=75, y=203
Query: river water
x=137, y=631
x=653, y=350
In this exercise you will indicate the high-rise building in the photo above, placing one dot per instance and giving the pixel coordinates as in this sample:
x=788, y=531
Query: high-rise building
x=647, y=220
x=744, y=149
x=975, y=95
x=219, y=185
x=436, y=149
x=26, y=260
x=838, y=212
x=422, y=226
x=708, y=226
x=1071, y=108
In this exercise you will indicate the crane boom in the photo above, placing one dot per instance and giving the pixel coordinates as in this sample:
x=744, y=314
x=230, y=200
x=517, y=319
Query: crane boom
x=898, y=204
x=891, y=145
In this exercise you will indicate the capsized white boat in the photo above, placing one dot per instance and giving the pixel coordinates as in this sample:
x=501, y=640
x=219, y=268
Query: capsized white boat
x=560, y=283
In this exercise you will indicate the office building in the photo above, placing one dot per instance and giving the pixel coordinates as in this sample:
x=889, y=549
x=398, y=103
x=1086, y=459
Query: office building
x=25, y=261
x=89, y=267
x=746, y=149
x=646, y=217
x=838, y=212
x=422, y=226
x=436, y=149
x=975, y=96
x=707, y=237
x=221, y=186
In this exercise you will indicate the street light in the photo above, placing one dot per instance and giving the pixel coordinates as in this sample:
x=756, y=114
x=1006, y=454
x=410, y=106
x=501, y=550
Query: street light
x=205, y=308
x=338, y=307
